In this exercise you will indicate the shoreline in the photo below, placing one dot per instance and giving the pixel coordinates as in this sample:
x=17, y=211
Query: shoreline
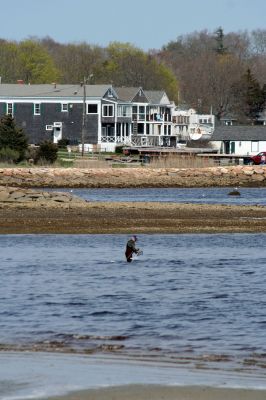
x=159, y=392
x=76, y=377
x=129, y=217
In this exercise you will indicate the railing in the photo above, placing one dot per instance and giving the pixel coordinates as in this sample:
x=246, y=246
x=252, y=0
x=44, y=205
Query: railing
x=137, y=140
x=108, y=139
x=119, y=139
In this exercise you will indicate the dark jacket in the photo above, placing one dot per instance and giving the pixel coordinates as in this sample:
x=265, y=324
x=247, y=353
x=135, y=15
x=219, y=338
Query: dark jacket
x=130, y=249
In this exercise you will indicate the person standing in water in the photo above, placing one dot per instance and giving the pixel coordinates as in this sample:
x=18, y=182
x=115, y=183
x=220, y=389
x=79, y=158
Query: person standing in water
x=131, y=248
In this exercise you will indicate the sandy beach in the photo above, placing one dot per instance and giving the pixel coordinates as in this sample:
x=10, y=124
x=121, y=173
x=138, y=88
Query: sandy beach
x=148, y=392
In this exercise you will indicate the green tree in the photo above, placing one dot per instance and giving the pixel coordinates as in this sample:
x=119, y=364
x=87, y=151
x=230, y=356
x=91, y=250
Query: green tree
x=219, y=37
x=35, y=64
x=12, y=137
x=249, y=97
x=8, y=61
x=74, y=60
x=127, y=65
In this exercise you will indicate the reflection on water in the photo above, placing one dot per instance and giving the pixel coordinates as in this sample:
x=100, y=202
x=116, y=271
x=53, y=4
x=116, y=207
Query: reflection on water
x=194, y=298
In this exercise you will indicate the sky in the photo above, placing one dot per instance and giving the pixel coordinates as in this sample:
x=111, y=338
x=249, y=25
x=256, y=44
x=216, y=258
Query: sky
x=147, y=24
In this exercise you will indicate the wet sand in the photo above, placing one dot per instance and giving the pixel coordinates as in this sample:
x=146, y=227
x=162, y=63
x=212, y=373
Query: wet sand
x=148, y=392
x=129, y=217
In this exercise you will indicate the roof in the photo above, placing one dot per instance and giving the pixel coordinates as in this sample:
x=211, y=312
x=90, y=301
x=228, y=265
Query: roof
x=239, y=132
x=51, y=90
x=156, y=96
x=126, y=93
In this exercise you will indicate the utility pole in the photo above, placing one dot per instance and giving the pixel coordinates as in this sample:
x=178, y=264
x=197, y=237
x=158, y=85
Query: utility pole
x=84, y=112
x=83, y=117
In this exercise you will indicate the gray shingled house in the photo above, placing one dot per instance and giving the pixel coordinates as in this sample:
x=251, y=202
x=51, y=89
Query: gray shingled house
x=55, y=111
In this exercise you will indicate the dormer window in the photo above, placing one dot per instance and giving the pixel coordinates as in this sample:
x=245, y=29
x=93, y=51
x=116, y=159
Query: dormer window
x=110, y=93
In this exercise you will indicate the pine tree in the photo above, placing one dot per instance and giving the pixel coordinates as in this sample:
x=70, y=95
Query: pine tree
x=12, y=137
x=219, y=37
x=254, y=96
x=249, y=98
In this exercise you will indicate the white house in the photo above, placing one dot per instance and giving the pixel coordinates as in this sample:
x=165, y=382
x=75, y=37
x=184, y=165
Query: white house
x=188, y=125
x=239, y=139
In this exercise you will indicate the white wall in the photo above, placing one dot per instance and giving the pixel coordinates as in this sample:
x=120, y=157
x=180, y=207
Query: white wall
x=243, y=147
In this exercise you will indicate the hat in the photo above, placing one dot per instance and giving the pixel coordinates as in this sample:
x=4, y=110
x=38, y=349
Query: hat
x=134, y=237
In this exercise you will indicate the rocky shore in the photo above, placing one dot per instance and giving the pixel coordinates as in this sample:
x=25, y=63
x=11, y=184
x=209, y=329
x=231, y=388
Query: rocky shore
x=27, y=210
x=134, y=177
x=17, y=195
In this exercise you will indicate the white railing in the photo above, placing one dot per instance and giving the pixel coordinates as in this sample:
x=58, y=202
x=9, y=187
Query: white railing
x=108, y=139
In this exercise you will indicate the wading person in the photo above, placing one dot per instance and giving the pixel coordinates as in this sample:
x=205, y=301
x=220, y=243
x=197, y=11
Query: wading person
x=131, y=248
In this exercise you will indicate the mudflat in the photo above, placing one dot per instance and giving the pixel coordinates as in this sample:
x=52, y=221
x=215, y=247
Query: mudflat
x=129, y=217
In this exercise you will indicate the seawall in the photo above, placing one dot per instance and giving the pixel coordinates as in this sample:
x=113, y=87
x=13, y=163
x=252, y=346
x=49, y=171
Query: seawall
x=134, y=177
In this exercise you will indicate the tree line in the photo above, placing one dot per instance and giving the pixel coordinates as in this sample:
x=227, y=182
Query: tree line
x=209, y=71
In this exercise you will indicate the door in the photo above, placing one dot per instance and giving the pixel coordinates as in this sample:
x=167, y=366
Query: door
x=57, y=132
x=232, y=147
x=227, y=147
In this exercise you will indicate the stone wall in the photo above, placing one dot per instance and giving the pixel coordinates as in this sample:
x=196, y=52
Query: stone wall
x=134, y=177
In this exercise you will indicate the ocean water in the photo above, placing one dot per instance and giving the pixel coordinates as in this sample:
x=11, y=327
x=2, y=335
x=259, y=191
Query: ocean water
x=218, y=195
x=191, y=301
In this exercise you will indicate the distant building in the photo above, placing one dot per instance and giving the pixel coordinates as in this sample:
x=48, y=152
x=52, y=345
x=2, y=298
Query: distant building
x=188, y=125
x=239, y=139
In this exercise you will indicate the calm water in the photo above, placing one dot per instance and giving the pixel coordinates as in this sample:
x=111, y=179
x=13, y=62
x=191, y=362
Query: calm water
x=183, y=195
x=194, y=299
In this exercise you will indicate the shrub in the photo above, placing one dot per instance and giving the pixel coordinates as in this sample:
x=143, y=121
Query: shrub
x=47, y=151
x=9, y=155
x=119, y=149
x=12, y=137
x=32, y=154
x=63, y=143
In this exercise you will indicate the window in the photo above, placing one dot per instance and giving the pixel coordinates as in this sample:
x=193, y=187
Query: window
x=64, y=107
x=9, y=109
x=255, y=145
x=108, y=110
x=92, y=108
x=124, y=111
x=37, y=109
x=141, y=113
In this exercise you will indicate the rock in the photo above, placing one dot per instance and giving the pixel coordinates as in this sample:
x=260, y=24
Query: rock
x=234, y=192
x=25, y=195
x=258, y=178
x=248, y=171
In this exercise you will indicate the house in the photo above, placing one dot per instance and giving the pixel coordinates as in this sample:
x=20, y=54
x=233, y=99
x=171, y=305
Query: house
x=100, y=116
x=53, y=112
x=151, y=121
x=239, y=139
x=188, y=125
